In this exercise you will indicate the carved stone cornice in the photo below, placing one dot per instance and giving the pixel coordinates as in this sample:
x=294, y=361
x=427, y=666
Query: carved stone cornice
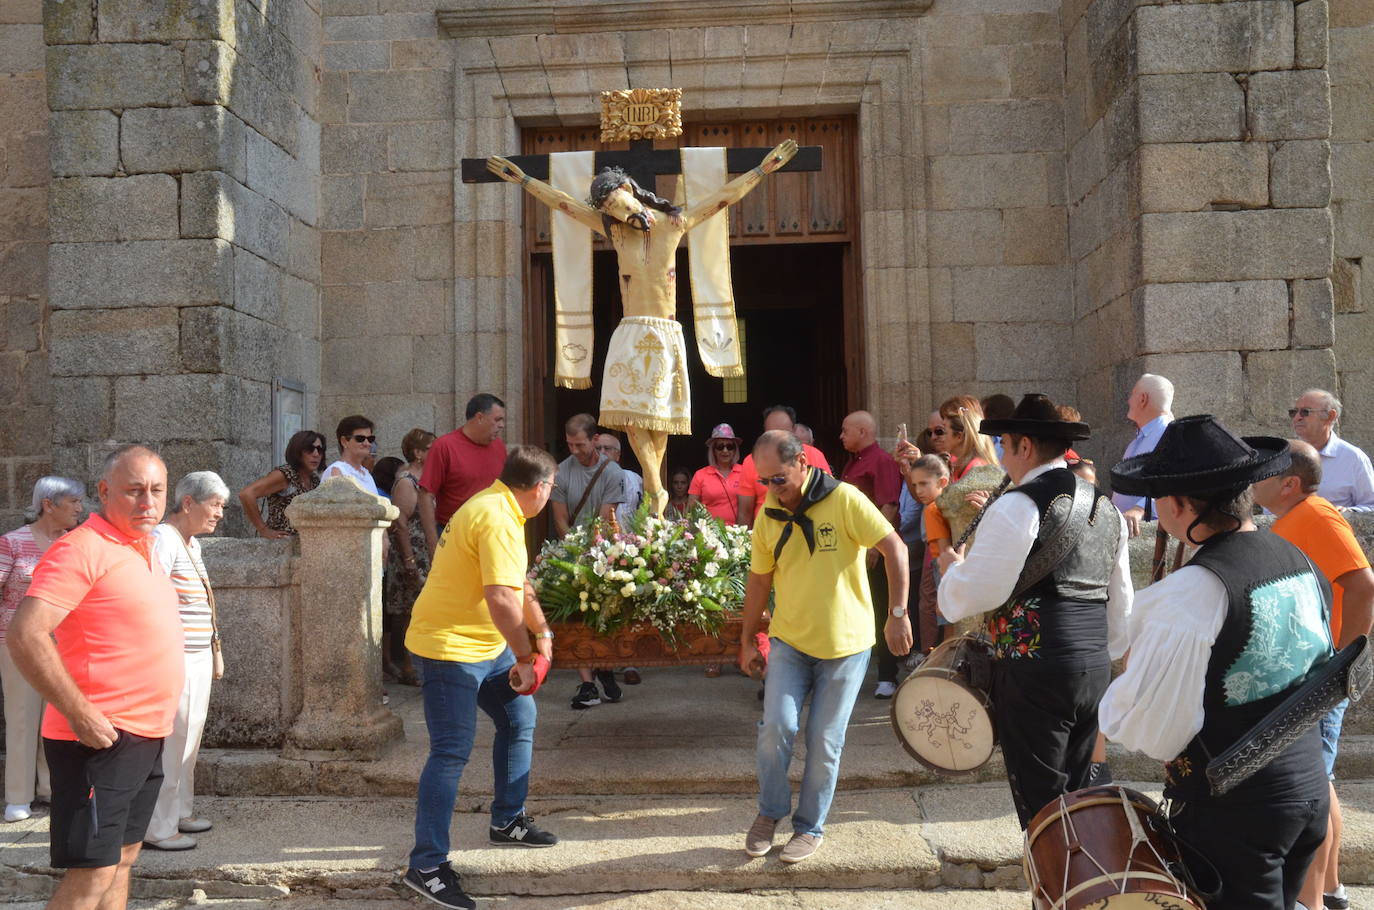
x=487, y=18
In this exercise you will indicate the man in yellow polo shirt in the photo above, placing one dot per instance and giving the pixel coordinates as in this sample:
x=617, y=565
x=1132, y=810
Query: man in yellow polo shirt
x=470, y=634
x=809, y=545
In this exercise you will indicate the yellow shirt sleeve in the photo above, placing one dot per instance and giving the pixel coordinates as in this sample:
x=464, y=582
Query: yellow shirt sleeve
x=501, y=555
x=865, y=522
x=762, y=541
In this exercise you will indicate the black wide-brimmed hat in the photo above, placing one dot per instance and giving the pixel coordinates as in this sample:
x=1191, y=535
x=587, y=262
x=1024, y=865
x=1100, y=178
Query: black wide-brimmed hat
x=1197, y=455
x=1037, y=416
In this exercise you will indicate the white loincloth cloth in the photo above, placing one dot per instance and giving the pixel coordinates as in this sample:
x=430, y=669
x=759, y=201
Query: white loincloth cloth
x=645, y=382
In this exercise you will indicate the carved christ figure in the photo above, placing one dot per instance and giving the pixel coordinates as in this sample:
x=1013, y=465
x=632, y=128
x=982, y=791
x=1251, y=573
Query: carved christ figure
x=644, y=388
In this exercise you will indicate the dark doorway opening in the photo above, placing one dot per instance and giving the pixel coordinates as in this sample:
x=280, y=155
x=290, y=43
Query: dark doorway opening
x=791, y=300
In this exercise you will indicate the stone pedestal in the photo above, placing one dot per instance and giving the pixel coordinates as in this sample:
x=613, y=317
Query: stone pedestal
x=340, y=624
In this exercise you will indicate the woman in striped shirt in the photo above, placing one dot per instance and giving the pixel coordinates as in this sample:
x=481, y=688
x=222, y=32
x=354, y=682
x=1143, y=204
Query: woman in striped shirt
x=57, y=507
x=198, y=507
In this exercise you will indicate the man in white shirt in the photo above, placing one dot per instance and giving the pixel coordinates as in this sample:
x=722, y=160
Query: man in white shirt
x=1347, y=477
x=1215, y=647
x=1147, y=408
x=1056, y=622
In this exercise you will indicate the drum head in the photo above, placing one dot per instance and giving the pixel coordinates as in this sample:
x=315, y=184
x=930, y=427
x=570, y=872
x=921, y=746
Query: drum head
x=1145, y=900
x=943, y=724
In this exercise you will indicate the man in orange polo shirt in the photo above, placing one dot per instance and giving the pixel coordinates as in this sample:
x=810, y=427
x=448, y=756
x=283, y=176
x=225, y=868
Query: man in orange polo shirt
x=1315, y=526
x=99, y=637
x=751, y=489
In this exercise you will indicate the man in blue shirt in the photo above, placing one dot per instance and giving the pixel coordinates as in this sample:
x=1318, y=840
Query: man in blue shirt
x=1347, y=478
x=1149, y=409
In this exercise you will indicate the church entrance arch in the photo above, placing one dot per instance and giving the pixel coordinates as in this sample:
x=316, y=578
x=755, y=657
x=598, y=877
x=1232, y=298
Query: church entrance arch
x=794, y=258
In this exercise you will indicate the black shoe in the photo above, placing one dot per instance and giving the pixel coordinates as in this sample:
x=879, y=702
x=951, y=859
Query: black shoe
x=587, y=696
x=522, y=832
x=443, y=886
x=1099, y=774
x=1337, y=901
x=609, y=685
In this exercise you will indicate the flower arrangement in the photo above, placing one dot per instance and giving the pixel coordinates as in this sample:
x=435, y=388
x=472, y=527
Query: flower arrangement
x=661, y=572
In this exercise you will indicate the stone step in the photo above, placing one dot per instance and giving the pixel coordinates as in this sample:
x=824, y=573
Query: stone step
x=678, y=733
x=961, y=837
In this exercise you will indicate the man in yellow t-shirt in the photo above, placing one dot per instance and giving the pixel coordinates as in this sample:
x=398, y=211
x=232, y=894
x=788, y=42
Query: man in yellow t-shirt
x=809, y=545
x=470, y=634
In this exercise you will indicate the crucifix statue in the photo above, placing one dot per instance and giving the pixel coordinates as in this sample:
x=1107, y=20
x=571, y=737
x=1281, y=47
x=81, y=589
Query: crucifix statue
x=644, y=383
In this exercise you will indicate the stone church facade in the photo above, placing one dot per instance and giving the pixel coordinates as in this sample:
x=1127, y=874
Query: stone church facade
x=220, y=217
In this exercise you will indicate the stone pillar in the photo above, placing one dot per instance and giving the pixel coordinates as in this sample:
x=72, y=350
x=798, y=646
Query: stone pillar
x=340, y=576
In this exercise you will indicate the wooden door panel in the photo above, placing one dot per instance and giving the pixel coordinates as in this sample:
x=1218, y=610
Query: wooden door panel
x=827, y=190
x=788, y=216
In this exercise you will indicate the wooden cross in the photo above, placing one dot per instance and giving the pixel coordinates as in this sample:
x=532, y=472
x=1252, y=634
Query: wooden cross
x=641, y=115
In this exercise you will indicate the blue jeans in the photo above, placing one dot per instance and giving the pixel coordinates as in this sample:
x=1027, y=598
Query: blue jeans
x=833, y=685
x=1331, y=734
x=452, y=693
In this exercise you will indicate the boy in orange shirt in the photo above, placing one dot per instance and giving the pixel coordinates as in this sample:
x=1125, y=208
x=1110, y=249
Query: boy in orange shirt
x=926, y=478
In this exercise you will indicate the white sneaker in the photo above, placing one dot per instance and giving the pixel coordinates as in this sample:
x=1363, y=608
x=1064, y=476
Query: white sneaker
x=885, y=690
x=17, y=812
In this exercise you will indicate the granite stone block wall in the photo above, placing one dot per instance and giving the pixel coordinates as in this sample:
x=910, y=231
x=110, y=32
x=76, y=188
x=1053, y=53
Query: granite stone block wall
x=1200, y=225
x=25, y=392
x=184, y=246
x=386, y=219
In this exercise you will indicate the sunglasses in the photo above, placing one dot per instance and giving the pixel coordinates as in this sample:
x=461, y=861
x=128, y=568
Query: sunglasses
x=937, y=431
x=776, y=480
x=359, y=437
x=315, y=448
x=724, y=447
x=1307, y=412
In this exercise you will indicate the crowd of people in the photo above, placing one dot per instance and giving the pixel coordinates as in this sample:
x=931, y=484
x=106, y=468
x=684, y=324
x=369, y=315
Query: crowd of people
x=855, y=567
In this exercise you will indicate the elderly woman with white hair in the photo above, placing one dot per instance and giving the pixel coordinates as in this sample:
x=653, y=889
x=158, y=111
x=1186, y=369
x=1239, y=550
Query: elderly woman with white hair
x=57, y=507
x=197, y=508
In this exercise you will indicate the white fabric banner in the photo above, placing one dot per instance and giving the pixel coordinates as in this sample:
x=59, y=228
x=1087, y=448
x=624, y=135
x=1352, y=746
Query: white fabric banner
x=571, y=172
x=713, y=294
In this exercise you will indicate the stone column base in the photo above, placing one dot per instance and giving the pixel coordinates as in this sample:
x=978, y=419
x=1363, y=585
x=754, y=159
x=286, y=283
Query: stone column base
x=329, y=737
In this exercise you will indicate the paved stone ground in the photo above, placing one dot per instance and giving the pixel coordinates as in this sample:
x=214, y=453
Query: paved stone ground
x=657, y=792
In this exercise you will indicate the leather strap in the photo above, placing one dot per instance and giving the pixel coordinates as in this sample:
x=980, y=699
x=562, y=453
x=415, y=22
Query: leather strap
x=1062, y=542
x=572, y=519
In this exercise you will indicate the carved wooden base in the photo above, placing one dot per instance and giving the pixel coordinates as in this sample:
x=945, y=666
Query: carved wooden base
x=576, y=645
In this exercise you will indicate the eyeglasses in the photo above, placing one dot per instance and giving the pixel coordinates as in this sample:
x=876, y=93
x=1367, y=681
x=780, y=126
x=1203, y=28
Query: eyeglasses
x=937, y=431
x=1307, y=412
x=315, y=448
x=776, y=480
x=359, y=437
x=608, y=449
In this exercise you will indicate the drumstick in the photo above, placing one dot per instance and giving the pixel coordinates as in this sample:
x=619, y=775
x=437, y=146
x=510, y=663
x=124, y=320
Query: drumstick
x=972, y=525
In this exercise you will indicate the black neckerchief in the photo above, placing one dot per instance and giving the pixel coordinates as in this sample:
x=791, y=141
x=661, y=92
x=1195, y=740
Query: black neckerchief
x=818, y=486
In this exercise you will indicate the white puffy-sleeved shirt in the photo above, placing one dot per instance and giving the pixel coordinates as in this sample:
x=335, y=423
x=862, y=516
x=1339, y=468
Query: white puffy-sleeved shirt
x=986, y=578
x=1155, y=706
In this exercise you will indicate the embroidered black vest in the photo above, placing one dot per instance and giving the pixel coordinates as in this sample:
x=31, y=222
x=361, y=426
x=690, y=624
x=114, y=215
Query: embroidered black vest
x=1064, y=614
x=1275, y=631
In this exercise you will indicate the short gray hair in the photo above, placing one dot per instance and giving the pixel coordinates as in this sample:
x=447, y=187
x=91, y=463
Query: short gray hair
x=200, y=486
x=1160, y=390
x=1332, y=402
x=784, y=443
x=52, y=488
x=123, y=451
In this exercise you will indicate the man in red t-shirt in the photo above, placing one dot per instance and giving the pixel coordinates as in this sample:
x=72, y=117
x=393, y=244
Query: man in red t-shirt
x=1315, y=526
x=876, y=474
x=99, y=601
x=751, y=489
x=462, y=463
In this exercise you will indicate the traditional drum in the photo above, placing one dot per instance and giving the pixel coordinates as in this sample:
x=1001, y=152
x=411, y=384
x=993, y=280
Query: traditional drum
x=942, y=713
x=1104, y=847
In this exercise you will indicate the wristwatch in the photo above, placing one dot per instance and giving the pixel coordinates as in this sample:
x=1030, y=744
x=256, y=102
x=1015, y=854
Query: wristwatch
x=547, y=633
x=897, y=612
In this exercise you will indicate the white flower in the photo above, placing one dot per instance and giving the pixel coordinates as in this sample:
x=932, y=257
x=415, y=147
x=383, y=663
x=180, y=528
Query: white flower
x=639, y=561
x=631, y=550
x=710, y=570
x=628, y=590
x=688, y=596
x=582, y=596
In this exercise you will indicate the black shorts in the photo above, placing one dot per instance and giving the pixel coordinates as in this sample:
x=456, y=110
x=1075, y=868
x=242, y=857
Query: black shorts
x=102, y=799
